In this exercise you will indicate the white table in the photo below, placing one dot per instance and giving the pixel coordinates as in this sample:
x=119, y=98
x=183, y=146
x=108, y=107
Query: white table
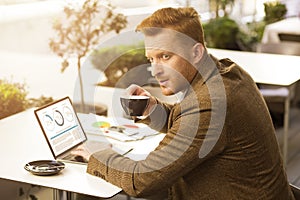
x=22, y=141
x=271, y=69
x=288, y=25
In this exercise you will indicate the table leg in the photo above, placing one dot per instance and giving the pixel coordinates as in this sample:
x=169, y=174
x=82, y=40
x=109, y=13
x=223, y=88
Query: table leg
x=62, y=195
x=286, y=129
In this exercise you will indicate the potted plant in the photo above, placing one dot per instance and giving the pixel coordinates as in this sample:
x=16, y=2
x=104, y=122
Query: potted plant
x=116, y=61
x=222, y=32
x=253, y=33
x=80, y=30
x=274, y=11
x=12, y=98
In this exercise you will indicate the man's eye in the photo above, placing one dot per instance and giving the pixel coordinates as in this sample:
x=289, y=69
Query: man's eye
x=165, y=56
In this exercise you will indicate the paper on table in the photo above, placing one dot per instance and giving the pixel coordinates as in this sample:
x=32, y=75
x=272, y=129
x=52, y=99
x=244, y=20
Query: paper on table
x=110, y=127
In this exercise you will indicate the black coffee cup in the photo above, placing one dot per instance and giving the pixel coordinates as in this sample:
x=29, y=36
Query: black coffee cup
x=134, y=105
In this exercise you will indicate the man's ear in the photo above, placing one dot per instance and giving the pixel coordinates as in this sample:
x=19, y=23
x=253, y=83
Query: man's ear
x=198, y=50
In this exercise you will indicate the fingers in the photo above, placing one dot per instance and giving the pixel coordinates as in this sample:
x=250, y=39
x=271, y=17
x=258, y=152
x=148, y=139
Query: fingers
x=151, y=106
x=85, y=151
x=133, y=90
x=136, y=90
x=81, y=153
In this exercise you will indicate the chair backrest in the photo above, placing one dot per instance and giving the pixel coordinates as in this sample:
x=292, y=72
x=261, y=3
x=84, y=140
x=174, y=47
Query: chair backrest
x=289, y=37
x=296, y=191
x=287, y=48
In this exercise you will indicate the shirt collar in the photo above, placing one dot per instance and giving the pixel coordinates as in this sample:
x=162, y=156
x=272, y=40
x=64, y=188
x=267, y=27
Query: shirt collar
x=180, y=95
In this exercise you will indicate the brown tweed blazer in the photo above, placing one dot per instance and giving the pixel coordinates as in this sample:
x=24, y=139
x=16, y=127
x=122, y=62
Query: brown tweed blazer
x=220, y=144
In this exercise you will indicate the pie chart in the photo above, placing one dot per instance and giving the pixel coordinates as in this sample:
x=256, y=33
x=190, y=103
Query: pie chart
x=101, y=124
x=49, y=122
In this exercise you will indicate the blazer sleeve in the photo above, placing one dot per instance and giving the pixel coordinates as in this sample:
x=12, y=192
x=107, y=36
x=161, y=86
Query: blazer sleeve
x=176, y=155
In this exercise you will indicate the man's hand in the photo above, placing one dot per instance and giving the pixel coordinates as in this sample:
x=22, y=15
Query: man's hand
x=137, y=90
x=84, y=151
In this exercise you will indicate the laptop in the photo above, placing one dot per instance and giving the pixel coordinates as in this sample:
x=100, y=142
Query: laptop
x=64, y=133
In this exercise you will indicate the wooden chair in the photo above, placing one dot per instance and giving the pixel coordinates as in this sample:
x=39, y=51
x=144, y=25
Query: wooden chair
x=278, y=94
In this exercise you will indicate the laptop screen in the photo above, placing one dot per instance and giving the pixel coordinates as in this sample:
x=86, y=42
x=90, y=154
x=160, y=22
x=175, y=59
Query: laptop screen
x=60, y=126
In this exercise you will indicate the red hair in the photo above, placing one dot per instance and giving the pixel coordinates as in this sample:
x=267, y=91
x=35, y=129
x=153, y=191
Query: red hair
x=183, y=20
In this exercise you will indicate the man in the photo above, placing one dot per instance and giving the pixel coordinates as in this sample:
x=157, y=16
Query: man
x=220, y=142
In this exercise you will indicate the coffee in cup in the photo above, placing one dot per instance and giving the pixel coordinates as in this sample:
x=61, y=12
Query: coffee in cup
x=134, y=105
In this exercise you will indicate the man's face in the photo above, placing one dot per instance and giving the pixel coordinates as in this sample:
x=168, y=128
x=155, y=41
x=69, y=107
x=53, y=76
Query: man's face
x=171, y=59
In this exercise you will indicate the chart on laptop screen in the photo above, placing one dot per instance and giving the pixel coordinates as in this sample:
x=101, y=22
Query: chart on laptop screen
x=61, y=126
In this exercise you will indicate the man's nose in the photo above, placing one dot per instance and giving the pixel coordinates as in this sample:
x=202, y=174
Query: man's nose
x=156, y=68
